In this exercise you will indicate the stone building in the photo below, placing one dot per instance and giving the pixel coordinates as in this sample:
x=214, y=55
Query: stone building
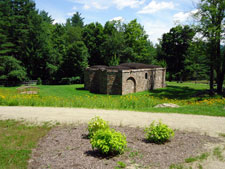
x=123, y=79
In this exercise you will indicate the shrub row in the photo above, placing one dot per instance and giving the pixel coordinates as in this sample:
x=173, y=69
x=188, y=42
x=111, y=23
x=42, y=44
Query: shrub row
x=108, y=141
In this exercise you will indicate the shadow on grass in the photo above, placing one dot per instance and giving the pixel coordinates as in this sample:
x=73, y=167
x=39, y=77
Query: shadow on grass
x=80, y=88
x=179, y=92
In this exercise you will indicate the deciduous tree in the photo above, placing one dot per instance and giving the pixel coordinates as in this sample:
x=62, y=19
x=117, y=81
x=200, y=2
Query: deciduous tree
x=211, y=18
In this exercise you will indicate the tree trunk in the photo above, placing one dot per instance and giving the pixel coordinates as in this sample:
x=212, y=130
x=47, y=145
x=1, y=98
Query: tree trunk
x=221, y=76
x=211, y=84
x=219, y=65
x=212, y=54
x=220, y=79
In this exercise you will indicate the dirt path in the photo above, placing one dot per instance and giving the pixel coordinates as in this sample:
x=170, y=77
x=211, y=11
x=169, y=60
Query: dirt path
x=204, y=124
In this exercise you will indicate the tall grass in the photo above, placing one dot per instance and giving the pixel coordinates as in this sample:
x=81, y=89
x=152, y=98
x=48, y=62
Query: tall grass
x=75, y=96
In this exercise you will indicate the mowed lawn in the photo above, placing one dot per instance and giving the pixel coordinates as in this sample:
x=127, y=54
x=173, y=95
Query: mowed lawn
x=17, y=140
x=193, y=99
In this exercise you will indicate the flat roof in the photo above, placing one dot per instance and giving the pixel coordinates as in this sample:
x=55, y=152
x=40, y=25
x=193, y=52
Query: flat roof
x=126, y=66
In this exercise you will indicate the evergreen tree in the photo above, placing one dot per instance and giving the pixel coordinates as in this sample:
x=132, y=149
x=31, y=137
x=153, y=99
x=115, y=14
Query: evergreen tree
x=196, y=62
x=76, y=20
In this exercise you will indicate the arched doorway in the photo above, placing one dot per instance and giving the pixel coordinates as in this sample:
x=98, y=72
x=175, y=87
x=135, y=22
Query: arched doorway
x=131, y=85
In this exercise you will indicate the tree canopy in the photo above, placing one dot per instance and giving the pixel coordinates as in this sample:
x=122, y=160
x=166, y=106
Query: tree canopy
x=32, y=46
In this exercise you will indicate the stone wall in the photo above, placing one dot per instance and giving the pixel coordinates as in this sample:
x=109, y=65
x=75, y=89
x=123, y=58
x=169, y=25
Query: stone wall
x=114, y=82
x=95, y=80
x=160, y=78
x=103, y=81
x=120, y=82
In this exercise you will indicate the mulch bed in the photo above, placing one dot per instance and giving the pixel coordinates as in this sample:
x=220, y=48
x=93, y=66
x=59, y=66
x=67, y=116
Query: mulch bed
x=68, y=147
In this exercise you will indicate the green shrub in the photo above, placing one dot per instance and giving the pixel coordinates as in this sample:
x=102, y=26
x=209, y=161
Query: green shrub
x=109, y=141
x=39, y=81
x=158, y=133
x=95, y=124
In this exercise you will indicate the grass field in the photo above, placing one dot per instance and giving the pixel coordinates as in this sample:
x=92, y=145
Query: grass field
x=190, y=96
x=16, y=142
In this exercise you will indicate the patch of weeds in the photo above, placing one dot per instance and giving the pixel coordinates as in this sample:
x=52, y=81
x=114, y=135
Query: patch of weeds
x=134, y=154
x=222, y=135
x=176, y=166
x=191, y=159
x=120, y=165
x=200, y=166
x=49, y=167
x=217, y=152
x=57, y=123
x=203, y=156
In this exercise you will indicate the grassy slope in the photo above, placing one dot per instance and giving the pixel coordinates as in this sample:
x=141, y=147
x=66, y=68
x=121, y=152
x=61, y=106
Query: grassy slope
x=183, y=94
x=17, y=141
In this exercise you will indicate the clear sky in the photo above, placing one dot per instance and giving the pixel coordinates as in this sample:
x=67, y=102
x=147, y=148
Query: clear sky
x=157, y=16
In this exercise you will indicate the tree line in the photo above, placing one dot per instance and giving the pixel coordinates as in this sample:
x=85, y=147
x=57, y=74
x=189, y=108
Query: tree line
x=33, y=47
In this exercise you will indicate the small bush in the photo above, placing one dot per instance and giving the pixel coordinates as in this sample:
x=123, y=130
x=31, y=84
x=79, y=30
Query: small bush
x=95, y=124
x=109, y=142
x=70, y=80
x=39, y=81
x=158, y=133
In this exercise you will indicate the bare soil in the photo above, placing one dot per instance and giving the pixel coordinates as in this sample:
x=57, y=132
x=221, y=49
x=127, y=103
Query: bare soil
x=68, y=147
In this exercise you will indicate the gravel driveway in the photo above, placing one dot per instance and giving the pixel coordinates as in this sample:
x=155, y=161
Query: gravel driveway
x=211, y=126
x=207, y=125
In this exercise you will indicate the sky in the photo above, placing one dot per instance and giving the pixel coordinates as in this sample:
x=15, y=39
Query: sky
x=156, y=16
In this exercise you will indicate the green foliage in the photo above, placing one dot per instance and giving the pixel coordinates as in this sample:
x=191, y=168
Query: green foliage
x=196, y=62
x=109, y=141
x=39, y=81
x=75, y=21
x=96, y=124
x=201, y=157
x=136, y=39
x=114, y=43
x=57, y=53
x=176, y=166
x=75, y=61
x=158, y=133
x=174, y=49
x=222, y=134
x=218, y=153
x=70, y=80
x=93, y=37
x=10, y=69
x=120, y=165
x=46, y=17
x=211, y=20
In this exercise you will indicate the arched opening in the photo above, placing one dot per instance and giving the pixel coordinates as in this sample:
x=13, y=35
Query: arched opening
x=146, y=75
x=131, y=85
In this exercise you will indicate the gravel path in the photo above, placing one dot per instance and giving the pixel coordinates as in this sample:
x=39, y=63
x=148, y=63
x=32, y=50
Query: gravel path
x=204, y=124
